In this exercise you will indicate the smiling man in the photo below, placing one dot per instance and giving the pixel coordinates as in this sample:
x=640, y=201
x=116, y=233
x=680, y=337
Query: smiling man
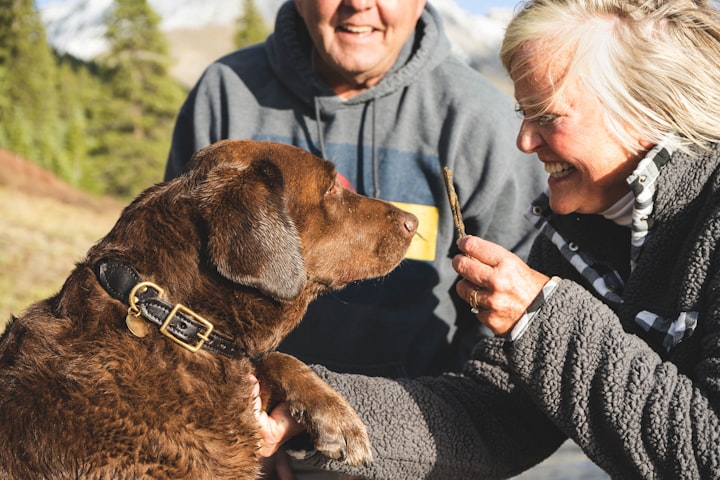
x=372, y=86
x=357, y=45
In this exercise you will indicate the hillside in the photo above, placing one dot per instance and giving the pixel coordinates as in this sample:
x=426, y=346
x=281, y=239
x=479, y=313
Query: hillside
x=45, y=227
x=193, y=49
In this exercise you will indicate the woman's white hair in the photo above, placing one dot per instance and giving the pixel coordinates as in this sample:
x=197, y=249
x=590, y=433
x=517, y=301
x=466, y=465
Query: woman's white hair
x=653, y=64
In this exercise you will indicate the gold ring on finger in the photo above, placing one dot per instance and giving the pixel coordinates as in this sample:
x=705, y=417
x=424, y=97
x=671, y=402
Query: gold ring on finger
x=474, y=307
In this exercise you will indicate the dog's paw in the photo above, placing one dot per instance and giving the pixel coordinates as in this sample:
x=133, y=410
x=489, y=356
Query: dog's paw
x=333, y=425
x=341, y=435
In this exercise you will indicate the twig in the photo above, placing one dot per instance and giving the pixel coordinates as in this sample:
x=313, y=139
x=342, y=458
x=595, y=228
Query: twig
x=454, y=203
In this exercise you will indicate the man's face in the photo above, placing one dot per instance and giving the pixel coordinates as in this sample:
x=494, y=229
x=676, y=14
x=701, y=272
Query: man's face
x=357, y=41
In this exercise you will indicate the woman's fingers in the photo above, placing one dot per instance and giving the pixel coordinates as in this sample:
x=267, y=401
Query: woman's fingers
x=497, y=284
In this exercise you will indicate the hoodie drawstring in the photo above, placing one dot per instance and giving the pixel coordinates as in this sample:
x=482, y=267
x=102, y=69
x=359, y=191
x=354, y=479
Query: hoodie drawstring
x=375, y=162
x=375, y=166
x=318, y=125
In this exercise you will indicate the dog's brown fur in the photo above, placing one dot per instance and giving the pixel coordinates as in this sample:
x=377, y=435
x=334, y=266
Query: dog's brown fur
x=246, y=238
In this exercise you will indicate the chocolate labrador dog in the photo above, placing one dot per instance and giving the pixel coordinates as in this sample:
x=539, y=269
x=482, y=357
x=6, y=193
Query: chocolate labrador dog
x=139, y=367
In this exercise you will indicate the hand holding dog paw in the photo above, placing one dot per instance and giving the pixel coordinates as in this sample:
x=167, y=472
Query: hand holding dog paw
x=275, y=428
x=334, y=427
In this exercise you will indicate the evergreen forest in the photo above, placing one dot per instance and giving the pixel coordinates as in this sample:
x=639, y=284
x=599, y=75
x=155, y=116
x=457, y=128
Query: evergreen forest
x=103, y=126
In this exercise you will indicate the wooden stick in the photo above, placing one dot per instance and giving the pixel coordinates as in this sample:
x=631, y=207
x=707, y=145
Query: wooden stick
x=454, y=203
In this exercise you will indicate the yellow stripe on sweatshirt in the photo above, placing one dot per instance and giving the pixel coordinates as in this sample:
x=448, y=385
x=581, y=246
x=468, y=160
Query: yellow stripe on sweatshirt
x=423, y=245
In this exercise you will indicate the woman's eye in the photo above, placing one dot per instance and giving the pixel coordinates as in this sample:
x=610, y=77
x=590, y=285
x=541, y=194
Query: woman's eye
x=545, y=120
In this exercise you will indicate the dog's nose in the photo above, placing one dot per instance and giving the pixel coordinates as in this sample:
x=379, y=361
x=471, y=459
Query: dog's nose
x=410, y=222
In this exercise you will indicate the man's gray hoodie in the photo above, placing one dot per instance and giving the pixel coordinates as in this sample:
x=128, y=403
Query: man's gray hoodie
x=391, y=142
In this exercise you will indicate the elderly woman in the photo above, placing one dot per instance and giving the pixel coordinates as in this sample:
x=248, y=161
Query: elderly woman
x=610, y=335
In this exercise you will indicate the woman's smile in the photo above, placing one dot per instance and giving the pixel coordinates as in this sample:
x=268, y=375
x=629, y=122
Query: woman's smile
x=558, y=169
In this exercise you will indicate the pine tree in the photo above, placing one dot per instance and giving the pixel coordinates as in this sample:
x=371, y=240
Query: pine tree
x=28, y=100
x=79, y=91
x=84, y=95
x=251, y=28
x=143, y=100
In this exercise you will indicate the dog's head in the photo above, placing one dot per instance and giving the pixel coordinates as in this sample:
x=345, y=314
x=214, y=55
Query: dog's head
x=267, y=216
x=277, y=218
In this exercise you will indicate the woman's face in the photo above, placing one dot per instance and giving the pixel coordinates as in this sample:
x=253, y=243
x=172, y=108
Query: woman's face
x=586, y=165
x=358, y=40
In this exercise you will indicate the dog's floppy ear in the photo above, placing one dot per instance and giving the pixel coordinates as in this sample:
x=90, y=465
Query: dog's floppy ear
x=251, y=238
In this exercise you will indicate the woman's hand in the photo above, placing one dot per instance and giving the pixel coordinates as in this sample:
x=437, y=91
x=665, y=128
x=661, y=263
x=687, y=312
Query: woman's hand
x=496, y=282
x=275, y=428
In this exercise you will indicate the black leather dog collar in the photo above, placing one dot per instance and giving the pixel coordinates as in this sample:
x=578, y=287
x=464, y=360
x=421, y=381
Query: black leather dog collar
x=178, y=323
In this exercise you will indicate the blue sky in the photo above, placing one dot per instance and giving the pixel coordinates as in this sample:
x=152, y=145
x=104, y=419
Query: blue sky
x=482, y=6
x=471, y=6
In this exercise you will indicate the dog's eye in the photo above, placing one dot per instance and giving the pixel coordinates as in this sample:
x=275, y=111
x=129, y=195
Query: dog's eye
x=334, y=190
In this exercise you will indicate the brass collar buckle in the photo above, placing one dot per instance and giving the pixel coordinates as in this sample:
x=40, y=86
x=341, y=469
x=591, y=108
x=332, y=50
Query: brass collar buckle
x=202, y=336
x=178, y=323
x=135, y=311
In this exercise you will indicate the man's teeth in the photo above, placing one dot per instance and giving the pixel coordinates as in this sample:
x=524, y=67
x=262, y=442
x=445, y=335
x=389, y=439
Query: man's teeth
x=558, y=169
x=357, y=29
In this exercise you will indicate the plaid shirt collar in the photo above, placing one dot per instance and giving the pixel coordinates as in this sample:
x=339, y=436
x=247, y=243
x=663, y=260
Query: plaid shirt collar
x=668, y=331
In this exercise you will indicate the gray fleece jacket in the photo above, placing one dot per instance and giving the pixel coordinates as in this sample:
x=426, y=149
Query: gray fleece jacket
x=623, y=360
x=391, y=142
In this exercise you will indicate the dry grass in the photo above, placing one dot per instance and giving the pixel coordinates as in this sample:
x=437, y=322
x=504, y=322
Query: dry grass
x=45, y=228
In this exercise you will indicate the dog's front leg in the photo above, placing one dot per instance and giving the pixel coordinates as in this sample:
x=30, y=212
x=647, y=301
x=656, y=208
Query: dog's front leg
x=336, y=430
